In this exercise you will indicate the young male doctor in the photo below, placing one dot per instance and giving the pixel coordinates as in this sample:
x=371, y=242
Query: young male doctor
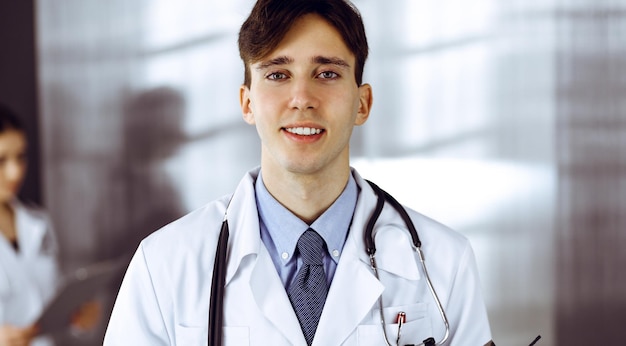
x=296, y=268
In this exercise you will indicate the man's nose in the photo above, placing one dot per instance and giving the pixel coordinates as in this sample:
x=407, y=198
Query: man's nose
x=303, y=95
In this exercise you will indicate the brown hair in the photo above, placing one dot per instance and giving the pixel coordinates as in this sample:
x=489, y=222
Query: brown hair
x=270, y=20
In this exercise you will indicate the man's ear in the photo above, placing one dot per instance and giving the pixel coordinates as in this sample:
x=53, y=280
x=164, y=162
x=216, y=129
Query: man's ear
x=365, y=104
x=246, y=104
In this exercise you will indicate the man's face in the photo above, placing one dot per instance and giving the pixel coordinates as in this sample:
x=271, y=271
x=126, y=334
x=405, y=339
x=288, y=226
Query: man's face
x=304, y=100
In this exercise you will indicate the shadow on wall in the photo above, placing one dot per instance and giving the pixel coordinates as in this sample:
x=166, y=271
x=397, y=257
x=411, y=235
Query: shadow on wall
x=152, y=127
x=141, y=196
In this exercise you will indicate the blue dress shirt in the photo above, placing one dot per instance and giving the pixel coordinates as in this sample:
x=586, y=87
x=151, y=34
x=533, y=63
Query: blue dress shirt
x=281, y=229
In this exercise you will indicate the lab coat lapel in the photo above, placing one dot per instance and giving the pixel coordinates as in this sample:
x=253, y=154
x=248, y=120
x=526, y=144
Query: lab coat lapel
x=272, y=300
x=30, y=231
x=265, y=285
x=355, y=288
x=352, y=294
x=243, y=223
x=394, y=252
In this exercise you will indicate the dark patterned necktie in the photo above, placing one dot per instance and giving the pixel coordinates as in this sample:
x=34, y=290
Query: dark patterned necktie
x=309, y=289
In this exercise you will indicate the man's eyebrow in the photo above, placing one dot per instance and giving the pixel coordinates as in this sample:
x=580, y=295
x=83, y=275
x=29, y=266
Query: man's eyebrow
x=281, y=60
x=285, y=60
x=323, y=60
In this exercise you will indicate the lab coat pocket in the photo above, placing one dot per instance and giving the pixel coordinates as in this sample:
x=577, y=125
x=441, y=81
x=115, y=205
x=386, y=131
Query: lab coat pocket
x=191, y=335
x=416, y=328
x=199, y=335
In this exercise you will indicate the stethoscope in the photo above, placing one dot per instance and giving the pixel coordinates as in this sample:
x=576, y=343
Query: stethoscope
x=219, y=271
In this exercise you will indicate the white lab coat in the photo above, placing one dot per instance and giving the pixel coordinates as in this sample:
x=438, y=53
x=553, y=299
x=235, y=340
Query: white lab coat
x=28, y=278
x=164, y=298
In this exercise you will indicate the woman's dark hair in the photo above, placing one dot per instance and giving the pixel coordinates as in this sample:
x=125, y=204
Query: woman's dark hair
x=9, y=119
x=270, y=20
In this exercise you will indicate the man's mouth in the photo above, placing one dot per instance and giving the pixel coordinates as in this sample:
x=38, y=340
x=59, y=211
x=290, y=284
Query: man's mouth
x=304, y=131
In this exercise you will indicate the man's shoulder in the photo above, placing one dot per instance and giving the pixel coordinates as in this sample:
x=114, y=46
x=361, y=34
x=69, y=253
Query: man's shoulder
x=200, y=228
x=432, y=231
x=189, y=231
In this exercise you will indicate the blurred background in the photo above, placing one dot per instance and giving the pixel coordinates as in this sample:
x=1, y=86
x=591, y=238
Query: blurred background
x=504, y=119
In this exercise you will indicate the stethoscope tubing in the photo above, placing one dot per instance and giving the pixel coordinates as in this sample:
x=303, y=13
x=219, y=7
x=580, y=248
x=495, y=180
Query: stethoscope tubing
x=218, y=286
x=417, y=245
x=218, y=283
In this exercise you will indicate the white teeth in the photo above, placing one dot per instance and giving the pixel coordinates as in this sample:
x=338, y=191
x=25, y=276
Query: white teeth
x=304, y=131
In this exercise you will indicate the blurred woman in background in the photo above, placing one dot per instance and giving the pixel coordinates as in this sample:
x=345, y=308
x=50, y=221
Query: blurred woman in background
x=28, y=249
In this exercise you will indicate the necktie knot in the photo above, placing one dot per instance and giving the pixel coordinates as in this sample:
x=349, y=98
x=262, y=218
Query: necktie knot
x=311, y=247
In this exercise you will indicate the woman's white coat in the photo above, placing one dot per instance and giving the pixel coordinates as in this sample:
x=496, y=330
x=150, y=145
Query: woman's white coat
x=29, y=276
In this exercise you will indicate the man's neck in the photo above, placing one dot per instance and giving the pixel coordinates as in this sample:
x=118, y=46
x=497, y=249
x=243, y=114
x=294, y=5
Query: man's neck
x=306, y=195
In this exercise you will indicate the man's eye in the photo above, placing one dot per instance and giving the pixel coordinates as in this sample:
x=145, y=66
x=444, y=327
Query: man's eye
x=328, y=75
x=276, y=76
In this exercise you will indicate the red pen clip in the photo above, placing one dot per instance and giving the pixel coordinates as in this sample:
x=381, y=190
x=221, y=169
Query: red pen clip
x=400, y=320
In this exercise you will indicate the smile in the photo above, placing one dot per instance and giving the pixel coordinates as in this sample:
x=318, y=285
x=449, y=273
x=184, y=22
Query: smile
x=304, y=131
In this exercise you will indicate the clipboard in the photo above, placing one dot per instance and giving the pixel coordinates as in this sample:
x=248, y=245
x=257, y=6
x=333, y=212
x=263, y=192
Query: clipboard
x=78, y=288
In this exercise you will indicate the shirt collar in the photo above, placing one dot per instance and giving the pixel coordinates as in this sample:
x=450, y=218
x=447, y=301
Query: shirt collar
x=285, y=228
